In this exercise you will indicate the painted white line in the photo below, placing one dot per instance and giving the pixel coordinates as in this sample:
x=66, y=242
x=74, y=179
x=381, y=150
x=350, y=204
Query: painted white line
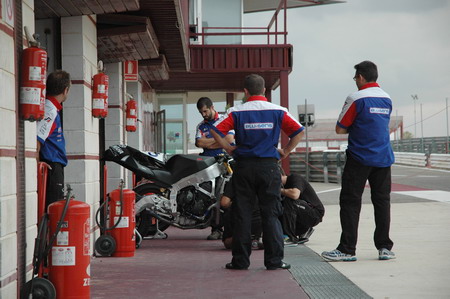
x=329, y=190
x=437, y=195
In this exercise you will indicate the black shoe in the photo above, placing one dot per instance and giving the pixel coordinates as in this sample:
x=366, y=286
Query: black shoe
x=215, y=235
x=282, y=266
x=231, y=266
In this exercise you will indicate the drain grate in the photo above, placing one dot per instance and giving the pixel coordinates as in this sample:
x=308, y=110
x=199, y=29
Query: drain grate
x=318, y=278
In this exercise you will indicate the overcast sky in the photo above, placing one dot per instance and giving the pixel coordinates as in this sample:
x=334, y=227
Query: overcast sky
x=409, y=40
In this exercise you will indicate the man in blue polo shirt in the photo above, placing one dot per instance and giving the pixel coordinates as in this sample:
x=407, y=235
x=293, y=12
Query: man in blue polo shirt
x=51, y=144
x=365, y=118
x=203, y=139
x=258, y=125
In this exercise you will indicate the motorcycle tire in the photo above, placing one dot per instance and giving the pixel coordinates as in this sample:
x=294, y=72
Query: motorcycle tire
x=145, y=222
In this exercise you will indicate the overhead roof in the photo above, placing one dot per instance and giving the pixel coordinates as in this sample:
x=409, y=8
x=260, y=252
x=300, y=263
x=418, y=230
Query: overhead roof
x=265, y=5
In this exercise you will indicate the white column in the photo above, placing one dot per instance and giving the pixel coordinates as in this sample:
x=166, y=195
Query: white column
x=114, y=122
x=81, y=130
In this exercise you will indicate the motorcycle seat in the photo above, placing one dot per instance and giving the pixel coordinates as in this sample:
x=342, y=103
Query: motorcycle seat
x=183, y=165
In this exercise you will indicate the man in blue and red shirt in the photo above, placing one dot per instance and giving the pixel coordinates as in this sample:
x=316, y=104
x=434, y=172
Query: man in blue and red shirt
x=365, y=118
x=51, y=143
x=257, y=124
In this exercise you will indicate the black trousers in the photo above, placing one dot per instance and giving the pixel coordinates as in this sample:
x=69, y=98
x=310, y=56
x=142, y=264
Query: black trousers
x=55, y=183
x=298, y=217
x=257, y=178
x=353, y=182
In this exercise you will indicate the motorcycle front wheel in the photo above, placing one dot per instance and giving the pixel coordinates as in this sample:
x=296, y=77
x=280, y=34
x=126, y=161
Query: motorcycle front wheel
x=145, y=222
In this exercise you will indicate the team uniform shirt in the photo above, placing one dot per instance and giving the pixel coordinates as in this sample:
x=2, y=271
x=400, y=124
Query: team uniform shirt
x=203, y=131
x=366, y=115
x=258, y=124
x=50, y=133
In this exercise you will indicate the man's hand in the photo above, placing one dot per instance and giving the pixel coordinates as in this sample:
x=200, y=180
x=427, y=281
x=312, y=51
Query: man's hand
x=283, y=154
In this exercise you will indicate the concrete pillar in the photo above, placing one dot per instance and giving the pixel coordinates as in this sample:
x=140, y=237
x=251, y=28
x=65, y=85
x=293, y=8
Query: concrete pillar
x=81, y=130
x=114, y=122
x=135, y=139
x=284, y=101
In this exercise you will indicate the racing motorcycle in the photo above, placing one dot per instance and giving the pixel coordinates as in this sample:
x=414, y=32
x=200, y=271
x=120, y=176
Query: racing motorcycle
x=183, y=191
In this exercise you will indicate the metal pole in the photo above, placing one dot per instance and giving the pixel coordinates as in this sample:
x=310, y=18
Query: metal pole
x=306, y=138
x=396, y=127
x=415, y=98
x=421, y=128
x=446, y=111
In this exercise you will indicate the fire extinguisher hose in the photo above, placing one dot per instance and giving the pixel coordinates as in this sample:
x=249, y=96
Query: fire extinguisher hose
x=105, y=228
x=60, y=222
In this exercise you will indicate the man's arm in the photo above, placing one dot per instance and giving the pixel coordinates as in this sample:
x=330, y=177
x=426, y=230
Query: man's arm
x=222, y=141
x=284, y=152
x=293, y=193
x=340, y=130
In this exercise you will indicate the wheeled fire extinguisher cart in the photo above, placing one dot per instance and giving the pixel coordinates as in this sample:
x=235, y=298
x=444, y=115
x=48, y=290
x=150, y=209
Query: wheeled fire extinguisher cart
x=118, y=237
x=62, y=262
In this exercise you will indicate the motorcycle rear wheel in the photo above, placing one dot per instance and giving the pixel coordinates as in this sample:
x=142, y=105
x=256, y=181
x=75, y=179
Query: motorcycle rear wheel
x=145, y=222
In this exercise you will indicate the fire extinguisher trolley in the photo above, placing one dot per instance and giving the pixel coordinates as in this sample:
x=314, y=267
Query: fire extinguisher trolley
x=62, y=264
x=118, y=229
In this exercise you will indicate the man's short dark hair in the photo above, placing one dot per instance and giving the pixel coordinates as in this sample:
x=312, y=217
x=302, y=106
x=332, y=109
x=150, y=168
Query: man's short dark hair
x=254, y=84
x=368, y=70
x=57, y=82
x=204, y=101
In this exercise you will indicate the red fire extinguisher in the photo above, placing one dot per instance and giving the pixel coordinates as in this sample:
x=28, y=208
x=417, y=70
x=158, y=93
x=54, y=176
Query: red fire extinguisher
x=69, y=259
x=118, y=239
x=131, y=114
x=100, y=85
x=32, y=88
x=121, y=214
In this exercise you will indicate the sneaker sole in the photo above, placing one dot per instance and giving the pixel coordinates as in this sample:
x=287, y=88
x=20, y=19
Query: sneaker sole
x=385, y=258
x=340, y=259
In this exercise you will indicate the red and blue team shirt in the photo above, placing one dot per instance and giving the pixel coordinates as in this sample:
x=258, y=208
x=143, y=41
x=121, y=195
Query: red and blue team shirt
x=257, y=124
x=203, y=131
x=50, y=133
x=366, y=115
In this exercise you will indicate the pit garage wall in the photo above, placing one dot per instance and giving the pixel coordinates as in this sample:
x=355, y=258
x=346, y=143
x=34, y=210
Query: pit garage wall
x=14, y=253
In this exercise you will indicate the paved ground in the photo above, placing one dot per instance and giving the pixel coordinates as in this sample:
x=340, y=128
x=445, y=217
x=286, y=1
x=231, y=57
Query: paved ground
x=187, y=266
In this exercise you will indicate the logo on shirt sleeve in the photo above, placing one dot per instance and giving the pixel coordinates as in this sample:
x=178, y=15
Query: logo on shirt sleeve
x=375, y=110
x=258, y=126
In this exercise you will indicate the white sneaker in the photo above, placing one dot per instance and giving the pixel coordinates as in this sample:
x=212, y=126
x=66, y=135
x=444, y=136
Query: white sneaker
x=338, y=256
x=385, y=254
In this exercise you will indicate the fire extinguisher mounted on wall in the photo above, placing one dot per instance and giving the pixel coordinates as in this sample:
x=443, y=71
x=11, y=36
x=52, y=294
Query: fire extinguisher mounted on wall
x=131, y=115
x=100, y=86
x=32, y=85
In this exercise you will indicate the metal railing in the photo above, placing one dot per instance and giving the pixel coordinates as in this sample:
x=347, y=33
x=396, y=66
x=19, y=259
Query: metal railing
x=270, y=31
x=437, y=145
x=327, y=166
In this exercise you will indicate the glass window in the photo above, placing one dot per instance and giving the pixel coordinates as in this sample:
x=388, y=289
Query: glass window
x=174, y=137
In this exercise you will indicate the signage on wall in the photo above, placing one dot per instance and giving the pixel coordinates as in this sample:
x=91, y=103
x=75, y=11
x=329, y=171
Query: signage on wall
x=130, y=70
x=8, y=12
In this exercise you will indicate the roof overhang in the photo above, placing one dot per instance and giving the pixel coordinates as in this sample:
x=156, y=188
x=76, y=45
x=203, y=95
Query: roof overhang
x=266, y=5
x=45, y=9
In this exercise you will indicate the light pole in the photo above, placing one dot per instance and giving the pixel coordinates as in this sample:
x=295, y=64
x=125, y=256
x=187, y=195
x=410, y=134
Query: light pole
x=415, y=98
x=446, y=108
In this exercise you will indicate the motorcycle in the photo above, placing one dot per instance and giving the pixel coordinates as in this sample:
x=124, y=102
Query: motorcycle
x=183, y=191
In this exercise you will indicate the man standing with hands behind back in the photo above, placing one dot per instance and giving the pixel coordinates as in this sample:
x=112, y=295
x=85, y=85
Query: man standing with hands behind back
x=257, y=124
x=51, y=144
x=365, y=118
